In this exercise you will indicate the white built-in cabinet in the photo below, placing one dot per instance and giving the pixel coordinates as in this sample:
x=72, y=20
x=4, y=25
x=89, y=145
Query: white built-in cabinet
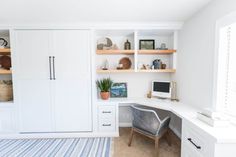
x=195, y=142
x=53, y=79
x=108, y=117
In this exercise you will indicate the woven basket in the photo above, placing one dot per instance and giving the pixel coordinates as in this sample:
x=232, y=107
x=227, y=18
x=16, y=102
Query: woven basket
x=6, y=91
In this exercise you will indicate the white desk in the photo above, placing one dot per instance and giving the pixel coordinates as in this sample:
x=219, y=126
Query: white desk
x=214, y=141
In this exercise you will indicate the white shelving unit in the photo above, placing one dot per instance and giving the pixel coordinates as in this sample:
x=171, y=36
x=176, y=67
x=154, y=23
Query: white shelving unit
x=7, y=108
x=137, y=79
x=138, y=57
x=4, y=73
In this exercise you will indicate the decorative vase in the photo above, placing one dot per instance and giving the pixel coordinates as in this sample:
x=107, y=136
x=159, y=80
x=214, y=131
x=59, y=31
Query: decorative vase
x=163, y=66
x=157, y=64
x=127, y=45
x=105, y=95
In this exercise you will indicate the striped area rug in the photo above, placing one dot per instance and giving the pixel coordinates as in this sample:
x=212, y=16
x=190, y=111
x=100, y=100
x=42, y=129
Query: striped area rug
x=76, y=147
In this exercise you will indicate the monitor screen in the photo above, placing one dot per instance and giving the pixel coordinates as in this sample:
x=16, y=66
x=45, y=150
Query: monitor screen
x=161, y=87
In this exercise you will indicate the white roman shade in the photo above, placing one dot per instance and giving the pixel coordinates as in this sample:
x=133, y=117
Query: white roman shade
x=227, y=70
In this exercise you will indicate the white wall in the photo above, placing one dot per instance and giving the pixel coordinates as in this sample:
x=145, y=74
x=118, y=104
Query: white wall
x=138, y=84
x=73, y=11
x=196, y=51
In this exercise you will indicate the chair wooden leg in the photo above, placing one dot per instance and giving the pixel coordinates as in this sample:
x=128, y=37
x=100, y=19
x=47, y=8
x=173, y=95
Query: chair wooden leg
x=156, y=147
x=131, y=137
x=168, y=138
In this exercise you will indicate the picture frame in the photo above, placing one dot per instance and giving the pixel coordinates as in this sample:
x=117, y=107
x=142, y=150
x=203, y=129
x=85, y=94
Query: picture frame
x=119, y=90
x=147, y=44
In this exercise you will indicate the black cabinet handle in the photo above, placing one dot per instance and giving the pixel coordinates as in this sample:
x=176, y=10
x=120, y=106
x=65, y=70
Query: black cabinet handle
x=190, y=140
x=50, y=67
x=106, y=124
x=53, y=66
x=106, y=111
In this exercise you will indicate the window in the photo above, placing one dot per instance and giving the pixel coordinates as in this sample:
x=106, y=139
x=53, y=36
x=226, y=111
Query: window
x=226, y=77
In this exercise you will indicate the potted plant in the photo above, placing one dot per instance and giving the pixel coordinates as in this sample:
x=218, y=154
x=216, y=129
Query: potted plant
x=104, y=85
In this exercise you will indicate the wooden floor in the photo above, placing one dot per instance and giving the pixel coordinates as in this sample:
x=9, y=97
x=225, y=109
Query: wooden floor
x=143, y=147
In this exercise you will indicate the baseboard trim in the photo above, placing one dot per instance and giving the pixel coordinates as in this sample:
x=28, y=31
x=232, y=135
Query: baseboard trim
x=58, y=135
x=177, y=133
x=125, y=125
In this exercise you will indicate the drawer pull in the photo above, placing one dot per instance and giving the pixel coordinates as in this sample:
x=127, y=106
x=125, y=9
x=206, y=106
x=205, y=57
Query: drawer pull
x=106, y=124
x=190, y=140
x=106, y=111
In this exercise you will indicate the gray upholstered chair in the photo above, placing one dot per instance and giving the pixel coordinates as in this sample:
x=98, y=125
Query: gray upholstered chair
x=148, y=123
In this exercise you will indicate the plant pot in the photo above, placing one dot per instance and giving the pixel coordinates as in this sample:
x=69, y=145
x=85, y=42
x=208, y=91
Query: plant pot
x=105, y=95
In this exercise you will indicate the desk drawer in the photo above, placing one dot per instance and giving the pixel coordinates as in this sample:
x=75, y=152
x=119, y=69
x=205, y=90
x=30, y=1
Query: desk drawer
x=190, y=152
x=193, y=140
x=107, y=125
x=106, y=112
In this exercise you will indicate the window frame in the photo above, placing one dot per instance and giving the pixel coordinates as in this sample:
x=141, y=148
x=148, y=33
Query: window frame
x=219, y=64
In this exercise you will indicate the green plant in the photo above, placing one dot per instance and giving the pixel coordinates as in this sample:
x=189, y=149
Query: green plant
x=104, y=84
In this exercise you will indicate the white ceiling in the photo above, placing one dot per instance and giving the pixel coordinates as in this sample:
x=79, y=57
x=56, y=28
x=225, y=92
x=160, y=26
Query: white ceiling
x=75, y=11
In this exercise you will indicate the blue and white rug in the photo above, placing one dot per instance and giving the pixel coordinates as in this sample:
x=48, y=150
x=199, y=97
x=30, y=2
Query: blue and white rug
x=76, y=147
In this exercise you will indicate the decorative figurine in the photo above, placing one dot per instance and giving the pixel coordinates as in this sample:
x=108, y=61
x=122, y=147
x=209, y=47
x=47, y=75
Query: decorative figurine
x=120, y=66
x=162, y=47
x=106, y=65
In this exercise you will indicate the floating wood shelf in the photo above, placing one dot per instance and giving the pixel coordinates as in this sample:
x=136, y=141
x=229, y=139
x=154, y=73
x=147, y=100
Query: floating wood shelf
x=5, y=72
x=158, y=71
x=139, y=71
x=115, y=71
x=111, y=52
x=5, y=51
x=156, y=51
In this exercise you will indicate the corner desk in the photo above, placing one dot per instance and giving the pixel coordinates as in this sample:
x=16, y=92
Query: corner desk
x=197, y=139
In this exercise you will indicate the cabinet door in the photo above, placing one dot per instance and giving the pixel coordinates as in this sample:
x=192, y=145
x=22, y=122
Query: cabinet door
x=35, y=106
x=32, y=80
x=72, y=87
x=32, y=54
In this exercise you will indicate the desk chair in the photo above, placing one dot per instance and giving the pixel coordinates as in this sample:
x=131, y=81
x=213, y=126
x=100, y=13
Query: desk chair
x=147, y=122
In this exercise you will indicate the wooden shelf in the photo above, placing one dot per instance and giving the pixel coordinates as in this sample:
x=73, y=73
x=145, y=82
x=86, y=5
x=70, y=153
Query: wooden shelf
x=156, y=51
x=5, y=72
x=158, y=71
x=130, y=52
x=113, y=52
x=5, y=51
x=115, y=71
x=132, y=70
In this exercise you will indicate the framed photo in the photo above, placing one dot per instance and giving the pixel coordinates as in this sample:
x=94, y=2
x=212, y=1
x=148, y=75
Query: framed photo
x=146, y=44
x=119, y=90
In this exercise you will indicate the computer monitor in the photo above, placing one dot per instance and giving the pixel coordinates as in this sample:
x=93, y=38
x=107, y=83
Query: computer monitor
x=161, y=89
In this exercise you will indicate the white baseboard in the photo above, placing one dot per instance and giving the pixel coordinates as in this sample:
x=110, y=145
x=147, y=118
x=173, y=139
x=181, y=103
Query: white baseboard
x=175, y=131
x=58, y=135
x=124, y=125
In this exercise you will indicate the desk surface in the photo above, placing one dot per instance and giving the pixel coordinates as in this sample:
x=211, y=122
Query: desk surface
x=184, y=111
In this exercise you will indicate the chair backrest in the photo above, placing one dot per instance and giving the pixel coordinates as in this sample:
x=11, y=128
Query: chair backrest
x=145, y=119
